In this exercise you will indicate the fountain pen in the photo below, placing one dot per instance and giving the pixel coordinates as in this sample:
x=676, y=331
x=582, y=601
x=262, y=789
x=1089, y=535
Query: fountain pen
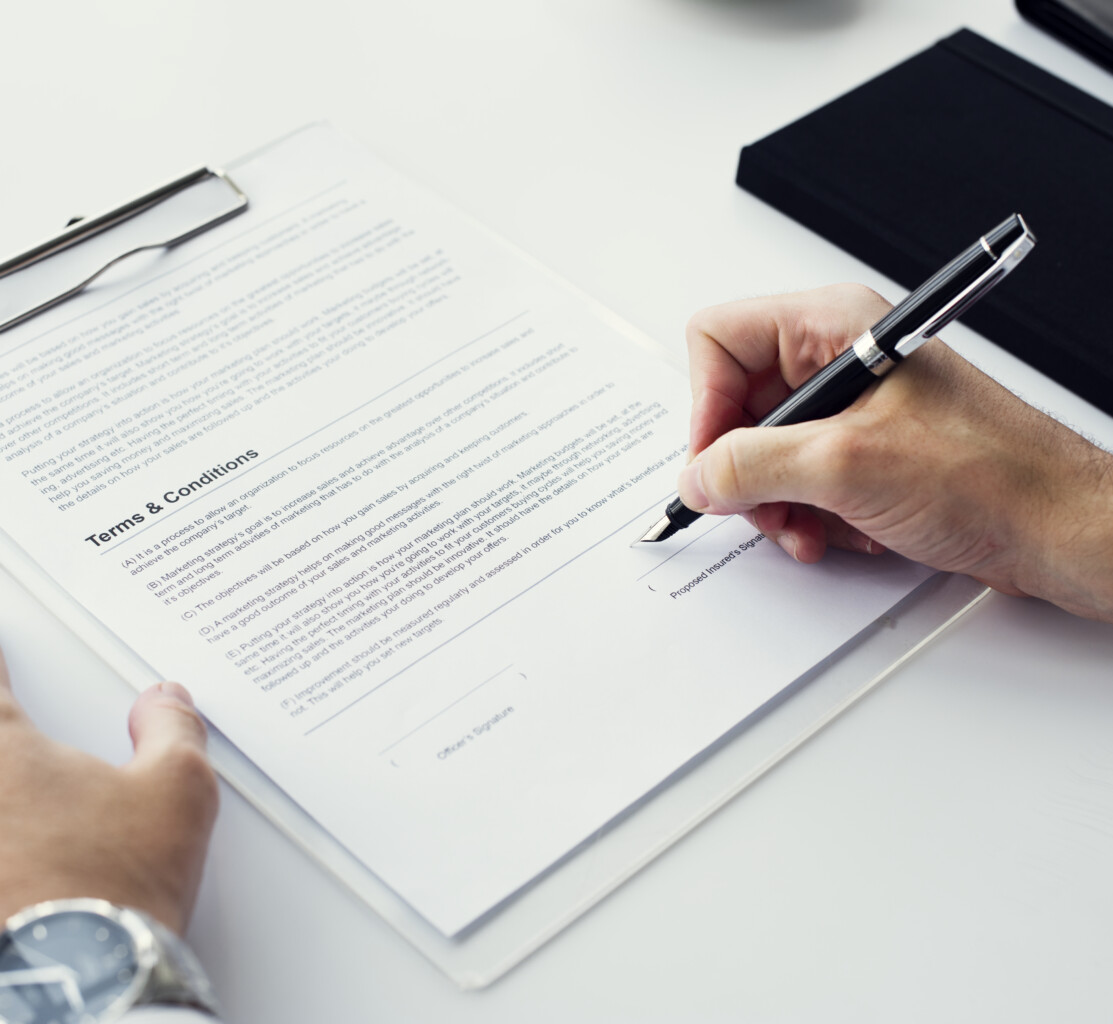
x=945, y=295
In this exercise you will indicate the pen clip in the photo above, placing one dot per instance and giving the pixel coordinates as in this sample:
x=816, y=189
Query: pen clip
x=963, y=300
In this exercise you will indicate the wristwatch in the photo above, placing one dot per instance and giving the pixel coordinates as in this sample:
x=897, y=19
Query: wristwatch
x=87, y=961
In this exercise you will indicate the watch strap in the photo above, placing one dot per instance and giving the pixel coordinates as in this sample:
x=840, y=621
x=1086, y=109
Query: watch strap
x=177, y=978
x=167, y=1015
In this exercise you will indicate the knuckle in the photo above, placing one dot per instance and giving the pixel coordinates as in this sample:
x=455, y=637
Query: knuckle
x=191, y=771
x=732, y=472
x=857, y=295
x=188, y=717
x=856, y=291
x=723, y=475
x=9, y=712
x=837, y=458
x=695, y=332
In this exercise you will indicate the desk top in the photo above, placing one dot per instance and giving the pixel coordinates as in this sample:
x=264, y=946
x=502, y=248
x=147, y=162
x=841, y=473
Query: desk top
x=943, y=851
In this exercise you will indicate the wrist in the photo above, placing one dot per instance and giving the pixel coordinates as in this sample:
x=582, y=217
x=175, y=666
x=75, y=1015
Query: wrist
x=86, y=960
x=111, y=886
x=1072, y=539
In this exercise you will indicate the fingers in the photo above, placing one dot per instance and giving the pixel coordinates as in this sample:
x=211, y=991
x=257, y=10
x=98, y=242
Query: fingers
x=164, y=721
x=73, y=825
x=9, y=708
x=806, y=532
x=169, y=737
x=728, y=346
x=796, y=528
x=750, y=467
x=732, y=354
x=746, y=356
x=776, y=477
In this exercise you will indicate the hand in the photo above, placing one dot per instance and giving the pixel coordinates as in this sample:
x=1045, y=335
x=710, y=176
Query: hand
x=940, y=464
x=72, y=826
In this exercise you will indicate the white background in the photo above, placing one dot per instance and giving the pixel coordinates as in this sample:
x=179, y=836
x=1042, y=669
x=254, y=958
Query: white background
x=942, y=853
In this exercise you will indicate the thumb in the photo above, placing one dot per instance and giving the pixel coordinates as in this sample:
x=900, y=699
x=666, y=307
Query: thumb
x=9, y=707
x=753, y=466
x=164, y=721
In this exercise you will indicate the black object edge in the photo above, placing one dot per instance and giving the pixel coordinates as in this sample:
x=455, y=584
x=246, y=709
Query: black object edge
x=1003, y=317
x=1072, y=27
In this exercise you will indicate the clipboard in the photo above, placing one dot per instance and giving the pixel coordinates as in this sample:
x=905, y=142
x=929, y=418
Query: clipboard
x=520, y=926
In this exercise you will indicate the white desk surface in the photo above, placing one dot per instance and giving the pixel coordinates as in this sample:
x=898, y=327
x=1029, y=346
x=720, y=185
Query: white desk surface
x=945, y=852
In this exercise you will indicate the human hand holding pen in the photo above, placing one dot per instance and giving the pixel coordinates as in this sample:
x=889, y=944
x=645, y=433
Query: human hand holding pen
x=940, y=464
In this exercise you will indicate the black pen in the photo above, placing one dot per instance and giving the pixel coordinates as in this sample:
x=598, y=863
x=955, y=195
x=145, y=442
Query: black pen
x=942, y=297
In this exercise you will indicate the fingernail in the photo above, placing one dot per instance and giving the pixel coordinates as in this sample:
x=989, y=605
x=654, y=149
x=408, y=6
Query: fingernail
x=788, y=543
x=690, y=486
x=176, y=691
x=858, y=541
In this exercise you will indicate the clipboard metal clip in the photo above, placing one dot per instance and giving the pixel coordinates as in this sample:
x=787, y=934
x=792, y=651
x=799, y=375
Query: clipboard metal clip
x=193, y=214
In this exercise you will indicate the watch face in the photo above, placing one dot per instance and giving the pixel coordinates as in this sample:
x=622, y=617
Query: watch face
x=65, y=968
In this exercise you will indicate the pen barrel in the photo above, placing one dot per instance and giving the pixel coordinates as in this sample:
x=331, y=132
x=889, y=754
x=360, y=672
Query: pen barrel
x=680, y=515
x=827, y=393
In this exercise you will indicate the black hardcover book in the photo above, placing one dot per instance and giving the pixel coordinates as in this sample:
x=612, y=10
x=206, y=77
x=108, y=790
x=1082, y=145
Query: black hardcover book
x=908, y=169
x=1087, y=25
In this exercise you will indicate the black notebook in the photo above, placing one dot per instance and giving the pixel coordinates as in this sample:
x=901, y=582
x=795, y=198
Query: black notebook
x=1087, y=25
x=910, y=168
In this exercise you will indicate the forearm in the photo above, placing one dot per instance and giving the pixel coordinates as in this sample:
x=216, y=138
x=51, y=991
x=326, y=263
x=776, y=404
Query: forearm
x=1069, y=536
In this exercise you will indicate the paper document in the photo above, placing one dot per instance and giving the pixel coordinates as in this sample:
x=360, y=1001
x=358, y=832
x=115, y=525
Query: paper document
x=365, y=479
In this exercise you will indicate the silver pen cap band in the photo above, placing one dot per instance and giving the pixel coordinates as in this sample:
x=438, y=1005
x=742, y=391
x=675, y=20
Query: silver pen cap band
x=871, y=356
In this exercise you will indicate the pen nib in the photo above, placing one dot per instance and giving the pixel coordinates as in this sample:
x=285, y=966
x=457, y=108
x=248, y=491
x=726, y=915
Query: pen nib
x=661, y=530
